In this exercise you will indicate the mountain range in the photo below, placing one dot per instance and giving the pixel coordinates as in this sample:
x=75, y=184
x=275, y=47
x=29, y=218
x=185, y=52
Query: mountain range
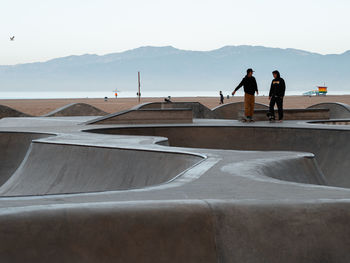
x=167, y=68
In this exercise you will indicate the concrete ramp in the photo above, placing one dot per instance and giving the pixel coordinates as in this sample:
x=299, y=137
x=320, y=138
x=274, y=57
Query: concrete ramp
x=336, y=110
x=331, y=147
x=146, y=116
x=76, y=109
x=292, y=114
x=230, y=111
x=6, y=111
x=199, y=110
x=109, y=232
x=57, y=169
x=13, y=148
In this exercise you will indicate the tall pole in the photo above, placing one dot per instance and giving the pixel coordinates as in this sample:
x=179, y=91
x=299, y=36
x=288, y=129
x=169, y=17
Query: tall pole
x=139, y=90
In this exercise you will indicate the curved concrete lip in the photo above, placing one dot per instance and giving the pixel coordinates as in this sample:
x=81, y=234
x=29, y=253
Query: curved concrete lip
x=180, y=161
x=76, y=109
x=332, y=122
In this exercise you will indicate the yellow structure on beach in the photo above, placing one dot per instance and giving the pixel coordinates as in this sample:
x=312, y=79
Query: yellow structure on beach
x=321, y=91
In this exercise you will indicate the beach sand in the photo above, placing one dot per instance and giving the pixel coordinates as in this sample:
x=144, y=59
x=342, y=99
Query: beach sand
x=37, y=107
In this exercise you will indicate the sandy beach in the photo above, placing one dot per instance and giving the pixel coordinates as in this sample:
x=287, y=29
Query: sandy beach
x=37, y=107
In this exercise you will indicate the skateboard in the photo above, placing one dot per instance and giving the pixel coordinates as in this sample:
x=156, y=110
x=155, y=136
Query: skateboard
x=247, y=120
x=271, y=118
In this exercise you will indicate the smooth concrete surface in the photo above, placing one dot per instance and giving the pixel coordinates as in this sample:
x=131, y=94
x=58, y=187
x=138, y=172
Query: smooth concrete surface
x=76, y=109
x=106, y=232
x=287, y=233
x=6, y=112
x=218, y=191
x=292, y=114
x=331, y=147
x=146, y=116
x=337, y=110
x=13, y=148
x=334, y=122
x=230, y=111
x=199, y=110
x=122, y=170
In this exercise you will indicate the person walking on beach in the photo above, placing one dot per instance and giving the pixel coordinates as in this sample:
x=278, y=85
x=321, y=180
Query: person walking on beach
x=250, y=87
x=221, y=98
x=276, y=95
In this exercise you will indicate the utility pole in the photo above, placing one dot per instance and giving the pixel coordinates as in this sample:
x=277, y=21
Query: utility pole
x=139, y=87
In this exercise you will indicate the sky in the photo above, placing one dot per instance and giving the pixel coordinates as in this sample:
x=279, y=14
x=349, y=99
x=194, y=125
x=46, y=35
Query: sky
x=46, y=29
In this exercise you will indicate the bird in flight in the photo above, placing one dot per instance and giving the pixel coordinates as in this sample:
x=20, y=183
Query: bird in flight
x=12, y=38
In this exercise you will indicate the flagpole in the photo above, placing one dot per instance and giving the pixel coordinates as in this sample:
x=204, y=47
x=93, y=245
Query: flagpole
x=139, y=87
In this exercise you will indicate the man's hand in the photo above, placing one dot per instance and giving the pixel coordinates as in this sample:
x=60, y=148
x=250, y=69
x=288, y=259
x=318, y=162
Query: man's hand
x=257, y=93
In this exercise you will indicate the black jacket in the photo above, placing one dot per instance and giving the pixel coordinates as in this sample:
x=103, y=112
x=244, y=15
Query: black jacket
x=249, y=84
x=278, y=87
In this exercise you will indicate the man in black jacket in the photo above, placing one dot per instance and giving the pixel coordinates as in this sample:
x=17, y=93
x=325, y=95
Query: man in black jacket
x=250, y=87
x=277, y=91
x=221, y=98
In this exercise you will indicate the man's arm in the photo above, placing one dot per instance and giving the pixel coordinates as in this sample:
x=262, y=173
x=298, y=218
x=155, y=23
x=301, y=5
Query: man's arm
x=256, y=87
x=240, y=85
x=283, y=87
x=270, y=93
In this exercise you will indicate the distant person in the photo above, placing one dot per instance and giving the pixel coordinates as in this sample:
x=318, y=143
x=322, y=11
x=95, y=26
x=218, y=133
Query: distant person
x=250, y=87
x=168, y=99
x=276, y=95
x=221, y=98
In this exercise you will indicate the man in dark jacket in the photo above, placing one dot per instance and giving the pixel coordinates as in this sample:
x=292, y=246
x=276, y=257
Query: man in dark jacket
x=221, y=98
x=250, y=87
x=277, y=91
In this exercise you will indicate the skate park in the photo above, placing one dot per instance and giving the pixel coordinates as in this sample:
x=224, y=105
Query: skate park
x=175, y=183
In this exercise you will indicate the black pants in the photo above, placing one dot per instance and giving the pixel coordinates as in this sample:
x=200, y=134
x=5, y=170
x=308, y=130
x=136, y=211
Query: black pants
x=279, y=102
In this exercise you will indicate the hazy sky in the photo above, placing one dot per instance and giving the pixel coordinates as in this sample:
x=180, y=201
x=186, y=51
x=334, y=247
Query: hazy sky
x=46, y=29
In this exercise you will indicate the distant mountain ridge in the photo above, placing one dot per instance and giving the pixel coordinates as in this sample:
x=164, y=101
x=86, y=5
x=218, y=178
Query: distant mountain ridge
x=168, y=68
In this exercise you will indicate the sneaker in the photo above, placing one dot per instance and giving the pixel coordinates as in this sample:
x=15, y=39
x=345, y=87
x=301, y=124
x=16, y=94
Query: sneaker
x=270, y=116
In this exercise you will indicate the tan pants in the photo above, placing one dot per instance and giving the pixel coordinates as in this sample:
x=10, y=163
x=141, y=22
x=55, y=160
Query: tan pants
x=249, y=101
